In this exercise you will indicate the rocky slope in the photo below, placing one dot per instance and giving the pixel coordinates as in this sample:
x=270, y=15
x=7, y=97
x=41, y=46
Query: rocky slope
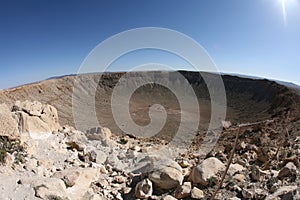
x=43, y=160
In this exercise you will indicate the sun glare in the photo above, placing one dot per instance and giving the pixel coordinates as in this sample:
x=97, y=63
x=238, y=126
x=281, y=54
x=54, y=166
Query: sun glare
x=284, y=4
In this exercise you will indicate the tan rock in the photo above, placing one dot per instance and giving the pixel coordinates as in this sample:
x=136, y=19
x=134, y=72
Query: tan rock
x=34, y=117
x=207, y=169
x=47, y=188
x=126, y=190
x=167, y=175
x=184, y=163
x=196, y=193
x=34, y=108
x=234, y=168
x=8, y=125
x=49, y=116
x=239, y=177
x=106, y=132
x=78, y=180
x=32, y=124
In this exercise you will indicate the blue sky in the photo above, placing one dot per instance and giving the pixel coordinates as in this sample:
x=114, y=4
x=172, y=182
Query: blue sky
x=44, y=38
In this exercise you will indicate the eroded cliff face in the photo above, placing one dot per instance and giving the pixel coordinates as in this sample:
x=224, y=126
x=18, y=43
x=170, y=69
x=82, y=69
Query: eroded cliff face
x=248, y=100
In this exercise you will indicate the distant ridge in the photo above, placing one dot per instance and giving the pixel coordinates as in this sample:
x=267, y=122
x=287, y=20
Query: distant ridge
x=285, y=83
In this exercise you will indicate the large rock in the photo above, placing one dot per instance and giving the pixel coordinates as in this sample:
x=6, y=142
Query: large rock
x=206, y=170
x=78, y=180
x=32, y=124
x=34, y=108
x=49, y=116
x=49, y=188
x=34, y=117
x=8, y=125
x=166, y=175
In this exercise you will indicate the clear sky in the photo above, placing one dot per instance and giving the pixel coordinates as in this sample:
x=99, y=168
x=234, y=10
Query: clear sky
x=44, y=38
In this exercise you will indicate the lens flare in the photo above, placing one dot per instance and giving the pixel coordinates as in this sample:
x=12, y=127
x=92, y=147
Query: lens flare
x=287, y=5
x=283, y=6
